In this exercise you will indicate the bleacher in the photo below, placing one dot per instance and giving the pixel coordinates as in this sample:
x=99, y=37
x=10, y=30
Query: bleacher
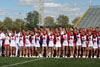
x=91, y=18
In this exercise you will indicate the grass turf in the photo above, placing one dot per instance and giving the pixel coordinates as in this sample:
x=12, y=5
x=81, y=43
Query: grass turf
x=51, y=62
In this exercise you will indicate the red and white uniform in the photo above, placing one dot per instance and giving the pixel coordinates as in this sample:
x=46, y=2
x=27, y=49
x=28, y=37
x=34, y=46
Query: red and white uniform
x=51, y=41
x=6, y=42
x=90, y=38
x=37, y=41
x=71, y=40
x=58, y=41
x=13, y=43
x=33, y=40
x=17, y=38
x=78, y=42
x=65, y=42
x=27, y=41
x=21, y=42
x=99, y=41
x=84, y=41
x=95, y=45
x=44, y=40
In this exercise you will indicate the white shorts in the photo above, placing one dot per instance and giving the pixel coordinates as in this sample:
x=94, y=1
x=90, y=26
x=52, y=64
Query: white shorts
x=65, y=43
x=27, y=45
x=51, y=44
x=58, y=44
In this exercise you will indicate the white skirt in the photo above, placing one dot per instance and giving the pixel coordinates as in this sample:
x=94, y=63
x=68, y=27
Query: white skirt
x=95, y=45
x=78, y=43
x=37, y=44
x=21, y=43
x=44, y=44
x=71, y=44
x=65, y=43
x=58, y=44
x=13, y=44
x=51, y=44
x=90, y=44
x=84, y=44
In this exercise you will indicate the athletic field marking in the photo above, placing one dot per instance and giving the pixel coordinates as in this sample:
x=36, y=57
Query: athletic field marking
x=21, y=63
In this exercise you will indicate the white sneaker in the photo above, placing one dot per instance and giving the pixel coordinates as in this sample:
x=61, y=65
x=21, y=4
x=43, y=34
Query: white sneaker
x=91, y=56
x=87, y=57
x=10, y=55
x=23, y=56
x=58, y=56
x=79, y=56
x=65, y=56
x=95, y=56
x=37, y=56
x=71, y=56
x=55, y=56
x=83, y=56
x=76, y=56
x=26, y=56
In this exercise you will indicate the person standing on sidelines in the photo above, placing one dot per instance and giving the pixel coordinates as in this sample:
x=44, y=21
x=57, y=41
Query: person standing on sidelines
x=17, y=36
x=2, y=36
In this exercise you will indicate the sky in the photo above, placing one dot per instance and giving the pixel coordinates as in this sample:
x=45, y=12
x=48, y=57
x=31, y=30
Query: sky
x=19, y=8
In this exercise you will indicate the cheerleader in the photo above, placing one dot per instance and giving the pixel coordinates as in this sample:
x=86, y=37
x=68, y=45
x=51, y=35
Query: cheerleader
x=65, y=44
x=95, y=45
x=90, y=44
x=71, y=44
x=84, y=46
x=51, y=45
x=78, y=44
x=33, y=43
x=21, y=45
x=99, y=43
x=6, y=44
x=12, y=45
x=27, y=44
x=58, y=45
x=37, y=44
x=44, y=45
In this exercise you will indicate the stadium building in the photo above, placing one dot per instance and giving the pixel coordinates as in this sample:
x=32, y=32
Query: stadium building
x=91, y=18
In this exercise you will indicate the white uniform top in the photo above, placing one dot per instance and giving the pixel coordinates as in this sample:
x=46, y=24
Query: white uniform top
x=90, y=38
x=33, y=41
x=17, y=37
x=2, y=36
x=71, y=41
x=51, y=38
x=95, y=43
x=44, y=40
x=84, y=41
x=37, y=41
x=21, y=43
x=13, y=41
x=65, y=42
x=58, y=41
x=78, y=42
x=27, y=41
x=7, y=40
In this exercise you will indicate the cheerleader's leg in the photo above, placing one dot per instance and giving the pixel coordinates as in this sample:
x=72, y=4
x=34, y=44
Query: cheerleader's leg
x=17, y=47
x=0, y=49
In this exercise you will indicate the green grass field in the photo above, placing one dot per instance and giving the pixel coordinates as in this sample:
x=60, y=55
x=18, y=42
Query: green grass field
x=48, y=62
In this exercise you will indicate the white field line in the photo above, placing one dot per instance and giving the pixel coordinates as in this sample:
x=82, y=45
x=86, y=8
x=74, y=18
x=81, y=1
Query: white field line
x=21, y=63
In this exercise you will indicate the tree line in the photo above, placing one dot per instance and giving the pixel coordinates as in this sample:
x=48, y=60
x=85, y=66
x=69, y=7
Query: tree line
x=32, y=21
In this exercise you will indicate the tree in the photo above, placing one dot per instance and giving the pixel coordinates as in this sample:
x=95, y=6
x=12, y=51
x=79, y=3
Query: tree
x=76, y=20
x=32, y=19
x=1, y=25
x=8, y=23
x=19, y=24
x=62, y=20
x=49, y=21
